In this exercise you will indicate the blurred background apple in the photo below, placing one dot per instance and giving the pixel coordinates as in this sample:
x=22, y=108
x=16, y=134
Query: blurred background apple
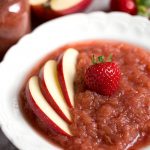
x=49, y=9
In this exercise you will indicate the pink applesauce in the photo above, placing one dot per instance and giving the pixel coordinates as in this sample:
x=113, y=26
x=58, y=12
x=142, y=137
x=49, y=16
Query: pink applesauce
x=118, y=122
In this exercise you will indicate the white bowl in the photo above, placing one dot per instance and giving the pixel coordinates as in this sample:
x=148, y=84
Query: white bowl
x=30, y=49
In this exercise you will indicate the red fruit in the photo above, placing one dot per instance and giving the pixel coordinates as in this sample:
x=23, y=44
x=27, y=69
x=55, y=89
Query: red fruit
x=114, y=5
x=103, y=78
x=128, y=6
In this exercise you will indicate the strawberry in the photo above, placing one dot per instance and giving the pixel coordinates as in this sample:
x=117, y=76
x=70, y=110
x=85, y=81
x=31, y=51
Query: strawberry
x=128, y=6
x=103, y=76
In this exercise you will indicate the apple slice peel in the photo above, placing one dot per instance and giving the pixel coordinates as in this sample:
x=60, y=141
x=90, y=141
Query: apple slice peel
x=51, y=90
x=43, y=110
x=45, y=9
x=66, y=69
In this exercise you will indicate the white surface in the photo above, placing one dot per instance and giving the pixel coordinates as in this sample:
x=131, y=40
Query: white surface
x=22, y=57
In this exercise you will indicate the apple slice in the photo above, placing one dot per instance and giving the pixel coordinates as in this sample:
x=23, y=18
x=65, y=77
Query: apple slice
x=43, y=110
x=51, y=90
x=55, y=8
x=64, y=7
x=66, y=69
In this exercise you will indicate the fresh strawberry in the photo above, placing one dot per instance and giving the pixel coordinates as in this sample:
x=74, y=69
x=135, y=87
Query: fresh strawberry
x=103, y=76
x=128, y=6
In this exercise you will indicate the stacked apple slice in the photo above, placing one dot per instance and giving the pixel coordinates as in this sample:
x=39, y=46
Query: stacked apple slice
x=66, y=69
x=52, y=93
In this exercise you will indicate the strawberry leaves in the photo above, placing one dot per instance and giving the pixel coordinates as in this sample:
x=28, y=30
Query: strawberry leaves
x=101, y=59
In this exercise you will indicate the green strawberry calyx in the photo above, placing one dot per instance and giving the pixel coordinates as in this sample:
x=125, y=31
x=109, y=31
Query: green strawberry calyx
x=101, y=59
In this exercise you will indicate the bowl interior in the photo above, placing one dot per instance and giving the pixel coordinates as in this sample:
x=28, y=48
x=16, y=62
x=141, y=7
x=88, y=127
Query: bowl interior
x=49, y=36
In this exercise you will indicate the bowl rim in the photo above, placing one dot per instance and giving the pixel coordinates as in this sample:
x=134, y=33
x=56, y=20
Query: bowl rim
x=120, y=26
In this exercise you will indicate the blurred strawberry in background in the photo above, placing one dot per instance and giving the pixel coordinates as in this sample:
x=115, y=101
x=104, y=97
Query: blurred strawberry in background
x=133, y=7
x=128, y=6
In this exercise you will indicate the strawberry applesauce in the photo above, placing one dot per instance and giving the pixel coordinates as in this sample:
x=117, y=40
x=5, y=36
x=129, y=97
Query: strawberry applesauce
x=117, y=122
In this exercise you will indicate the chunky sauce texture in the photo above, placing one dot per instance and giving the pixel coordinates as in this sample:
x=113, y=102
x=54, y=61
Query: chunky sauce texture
x=118, y=122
